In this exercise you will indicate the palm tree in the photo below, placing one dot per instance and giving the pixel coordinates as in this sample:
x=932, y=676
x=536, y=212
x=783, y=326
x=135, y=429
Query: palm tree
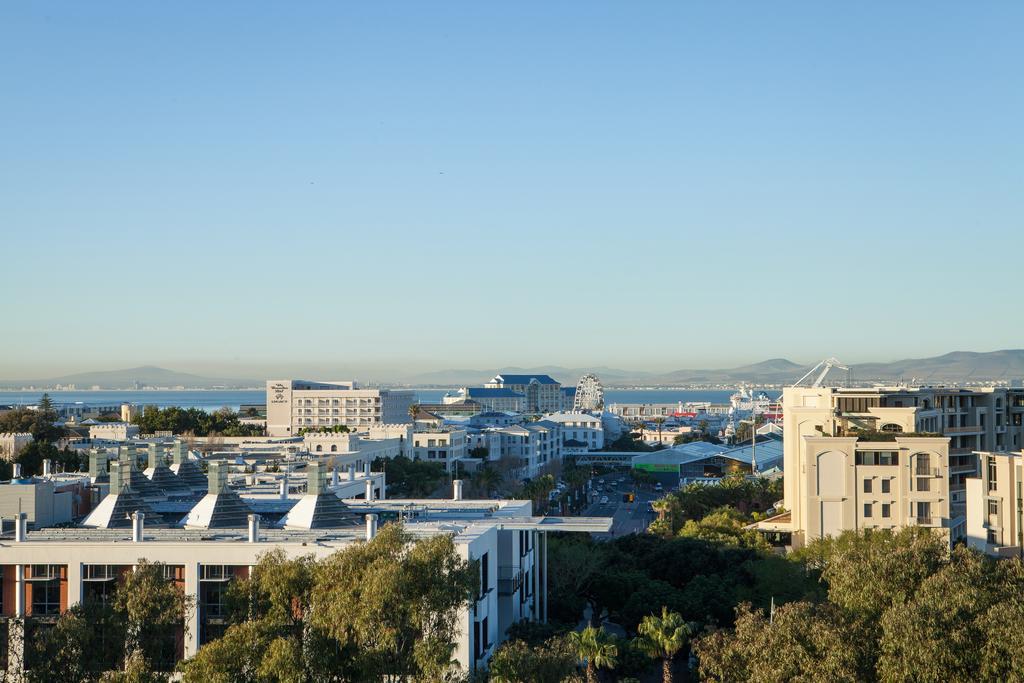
x=414, y=409
x=663, y=637
x=595, y=649
x=659, y=421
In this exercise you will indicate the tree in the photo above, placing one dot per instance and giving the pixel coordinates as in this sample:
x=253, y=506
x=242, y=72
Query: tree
x=411, y=478
x=801, y=642
x=151, y=609
x=395, y=604
x=518, y=662
x=663, y=637
x=724, y=525
x=594, y=647
x=937, y=634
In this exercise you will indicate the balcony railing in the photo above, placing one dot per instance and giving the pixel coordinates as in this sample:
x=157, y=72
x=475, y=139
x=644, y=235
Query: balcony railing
x=927, y=471
x=921, y=520
x=964, y=430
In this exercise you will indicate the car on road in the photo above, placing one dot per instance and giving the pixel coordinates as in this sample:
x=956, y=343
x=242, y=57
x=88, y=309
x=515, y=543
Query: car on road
x=604, y=500
x=658, y=487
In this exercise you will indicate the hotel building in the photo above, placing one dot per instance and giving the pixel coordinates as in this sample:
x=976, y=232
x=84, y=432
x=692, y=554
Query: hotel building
x=294, y=404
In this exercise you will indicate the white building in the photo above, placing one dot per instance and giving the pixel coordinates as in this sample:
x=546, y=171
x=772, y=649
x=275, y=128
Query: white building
x=12, y=443
x=113, y=431
x=582, y=427
x=995, y=500
x=294, y=404
x=45, y=571
x=443, y=446
x=490, y=399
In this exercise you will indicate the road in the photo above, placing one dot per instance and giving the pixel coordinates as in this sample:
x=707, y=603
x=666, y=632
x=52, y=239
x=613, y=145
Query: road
x=627, y=518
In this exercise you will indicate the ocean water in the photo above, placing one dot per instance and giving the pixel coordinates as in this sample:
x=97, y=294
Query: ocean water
x=213, y=399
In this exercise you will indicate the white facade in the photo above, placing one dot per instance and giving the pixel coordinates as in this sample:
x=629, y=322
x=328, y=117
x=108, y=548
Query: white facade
x=995, y=501
x=582, y=427
x=444, y=446
x=12, y=443
x=293, y=405
x=113, y=431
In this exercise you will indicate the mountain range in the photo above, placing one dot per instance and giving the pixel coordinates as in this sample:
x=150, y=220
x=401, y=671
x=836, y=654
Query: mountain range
x=958, y=367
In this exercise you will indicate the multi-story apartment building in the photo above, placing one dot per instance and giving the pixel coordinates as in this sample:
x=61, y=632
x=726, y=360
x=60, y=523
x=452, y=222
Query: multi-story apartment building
x=533, y=445
x=441, y=445
x=995, y=505
x=944, y=426
x=293, y=405
x=543, y=394
x=581, y=427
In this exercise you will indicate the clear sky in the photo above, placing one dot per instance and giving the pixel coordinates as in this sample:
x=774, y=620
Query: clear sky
x=222, y=187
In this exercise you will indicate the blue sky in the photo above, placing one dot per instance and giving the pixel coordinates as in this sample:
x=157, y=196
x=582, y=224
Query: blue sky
x=229, y=187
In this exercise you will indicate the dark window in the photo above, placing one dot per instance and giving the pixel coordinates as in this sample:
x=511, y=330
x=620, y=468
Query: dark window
x=885, y=510
x=485, y=579
x=886, y=485
x=993, y=507
x=867, y=486
x=867, y=509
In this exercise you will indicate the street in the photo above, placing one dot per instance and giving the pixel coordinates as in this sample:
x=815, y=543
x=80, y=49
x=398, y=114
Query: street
x=627, y=518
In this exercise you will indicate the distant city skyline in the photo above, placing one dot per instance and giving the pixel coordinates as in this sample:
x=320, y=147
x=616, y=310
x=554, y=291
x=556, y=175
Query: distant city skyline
x=404, y=187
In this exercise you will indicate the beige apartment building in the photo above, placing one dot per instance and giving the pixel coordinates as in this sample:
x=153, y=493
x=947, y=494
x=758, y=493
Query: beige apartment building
x=12, y=443
x=887, y=456
x=294, y=404
x=995, y=505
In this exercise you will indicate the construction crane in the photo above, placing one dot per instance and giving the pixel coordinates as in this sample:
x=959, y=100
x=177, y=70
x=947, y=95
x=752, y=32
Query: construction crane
x=825, y=366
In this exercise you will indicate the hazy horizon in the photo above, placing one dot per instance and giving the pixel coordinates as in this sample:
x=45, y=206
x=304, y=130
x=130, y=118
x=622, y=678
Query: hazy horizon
x=390, y=373
x=399, y=186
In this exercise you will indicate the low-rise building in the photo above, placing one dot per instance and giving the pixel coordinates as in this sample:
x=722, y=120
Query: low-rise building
x=13, y=443
x=113, y=431
x=441, y=445
x=45, y=571
x=488, y=399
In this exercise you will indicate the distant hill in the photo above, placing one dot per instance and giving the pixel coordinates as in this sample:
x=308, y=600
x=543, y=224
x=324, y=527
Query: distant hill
x=957, y=367
x=146, y=375
x=951, y=368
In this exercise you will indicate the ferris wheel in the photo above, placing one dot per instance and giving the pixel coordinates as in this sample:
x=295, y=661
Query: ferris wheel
x=589, y=394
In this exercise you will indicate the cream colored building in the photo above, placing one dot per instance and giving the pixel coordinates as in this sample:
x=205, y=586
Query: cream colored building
x=995, y=505
x=12, y=443
x=294, y=404
x=113, y=431
x=828, y=433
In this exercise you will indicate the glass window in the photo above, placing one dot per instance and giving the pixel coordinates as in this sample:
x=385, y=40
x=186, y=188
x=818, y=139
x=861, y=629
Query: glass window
x=993, y=507
x=885, y=510
x=867, y=486
x=867, y=509
x=886, y=485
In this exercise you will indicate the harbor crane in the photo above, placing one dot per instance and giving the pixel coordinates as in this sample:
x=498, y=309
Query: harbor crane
x=825, y=366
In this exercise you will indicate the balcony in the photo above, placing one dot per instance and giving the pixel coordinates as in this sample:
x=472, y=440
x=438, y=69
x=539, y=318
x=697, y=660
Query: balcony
x=918, y=520
x=964, y=430
x=927, y=472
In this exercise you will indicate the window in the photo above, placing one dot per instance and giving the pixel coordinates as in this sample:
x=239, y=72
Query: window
x=990, y=537
x=886, y=485
x=867, y=509
x=885, y=510
x=485, y=568
x=45, y=580
x=890, y=427
x=992, y=473
x=867, y=486
x=993, y=507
